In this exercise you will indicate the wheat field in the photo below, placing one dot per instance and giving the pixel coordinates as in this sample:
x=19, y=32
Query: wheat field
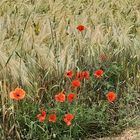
x=43, y=34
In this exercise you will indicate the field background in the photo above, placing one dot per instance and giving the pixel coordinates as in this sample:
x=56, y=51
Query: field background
x=39, y=42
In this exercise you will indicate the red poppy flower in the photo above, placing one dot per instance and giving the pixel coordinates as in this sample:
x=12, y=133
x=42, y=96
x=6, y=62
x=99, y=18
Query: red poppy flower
x=111, y=96
x=99, y=73
x=85, y=74
x=76, y=83
x=52, y=118
x=68, y=118
x=60, y=97
x=81, y=28
x=17, y=94
x=69, y=74
x=41, y=117
x=71, y=97
x=82, y=75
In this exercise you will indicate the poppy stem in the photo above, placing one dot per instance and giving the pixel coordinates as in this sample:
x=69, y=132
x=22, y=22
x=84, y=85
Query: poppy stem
x=70, y=131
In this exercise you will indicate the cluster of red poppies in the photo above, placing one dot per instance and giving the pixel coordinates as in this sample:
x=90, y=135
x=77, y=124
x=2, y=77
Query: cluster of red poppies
x=52, y=117
x=84, y=74
x=19, y=94
x=111, y=96
x=61, y=97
